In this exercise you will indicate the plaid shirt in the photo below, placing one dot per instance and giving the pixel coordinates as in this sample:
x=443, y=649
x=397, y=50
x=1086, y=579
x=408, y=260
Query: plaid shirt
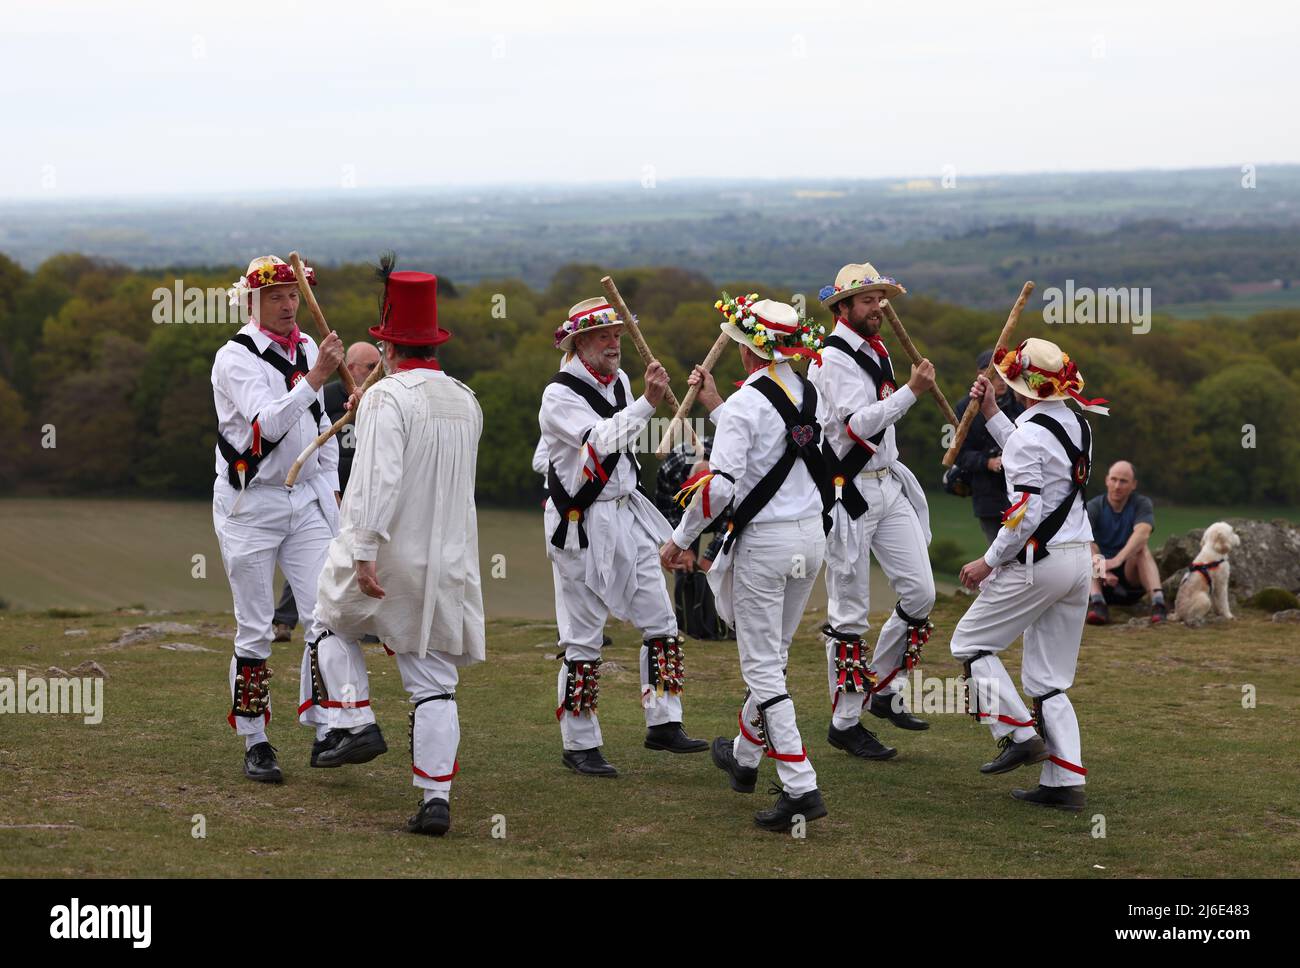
x=673, y=472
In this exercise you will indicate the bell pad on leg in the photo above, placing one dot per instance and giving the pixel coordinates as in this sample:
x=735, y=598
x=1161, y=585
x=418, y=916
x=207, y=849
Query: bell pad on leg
x=852, y=673
x=665, y=664
x=581, y=687
x=252, y=691
x=918, y=633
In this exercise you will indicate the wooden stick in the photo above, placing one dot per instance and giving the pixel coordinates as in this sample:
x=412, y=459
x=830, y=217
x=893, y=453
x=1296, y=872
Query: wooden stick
x=620, y=307
x=322, y=327
x=908, y=346
x=291, y=478
x=688, y=401
x=963, y=428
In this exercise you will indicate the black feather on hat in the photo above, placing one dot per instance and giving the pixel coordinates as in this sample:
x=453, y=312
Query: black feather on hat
x=387, y=263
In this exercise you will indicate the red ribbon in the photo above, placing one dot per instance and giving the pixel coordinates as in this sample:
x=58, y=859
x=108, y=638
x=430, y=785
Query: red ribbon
x=780, y=327
x=590, y=312
x=1085, y=401
x=801, y=351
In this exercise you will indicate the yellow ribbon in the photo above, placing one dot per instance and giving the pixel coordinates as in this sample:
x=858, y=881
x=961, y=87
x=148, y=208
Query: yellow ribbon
x=684, y=496
x=771, y=371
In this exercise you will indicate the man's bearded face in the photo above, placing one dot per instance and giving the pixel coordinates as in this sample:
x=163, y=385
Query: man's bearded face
x=601, y=349
x=864, y=312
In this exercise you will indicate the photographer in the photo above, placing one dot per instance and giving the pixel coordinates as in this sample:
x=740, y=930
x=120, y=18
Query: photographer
x=697, y=615
x=979, y=462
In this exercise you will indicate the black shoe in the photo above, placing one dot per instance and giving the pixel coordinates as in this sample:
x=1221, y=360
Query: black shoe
x=261, y=765
x=589, y=762
x=743, y=779
x=1062, y=798
x=1013, y=754
x=780, y=818
x=672, y=737
x=359, y=747
x=1159, y=613
x=433, y=819
x=319, y=746
x=857, y=740
x=1098, y=613
x=882, y=707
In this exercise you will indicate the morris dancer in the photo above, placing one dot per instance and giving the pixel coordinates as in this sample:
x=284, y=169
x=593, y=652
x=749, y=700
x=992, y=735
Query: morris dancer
x=767, y=466
x=880, y=510
x=405, y=567
x=603, y=536
x=1034, y=578
x=266, y=384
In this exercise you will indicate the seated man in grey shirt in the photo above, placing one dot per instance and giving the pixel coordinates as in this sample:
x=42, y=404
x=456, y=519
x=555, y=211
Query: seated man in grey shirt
x=1122, y=521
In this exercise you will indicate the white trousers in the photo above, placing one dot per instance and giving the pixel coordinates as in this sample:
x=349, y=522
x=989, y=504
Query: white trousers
x=341, y=666
x=559, y=595
x=1050, y=614
x=891, y=531
x=581, y=617
x=775, y=567
x=435, y=727
x=257, y=529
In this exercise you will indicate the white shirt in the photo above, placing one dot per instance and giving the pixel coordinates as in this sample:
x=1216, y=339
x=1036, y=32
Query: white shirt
x=1033, y=457
x=750, y=439
x=410, y=509
x=246, y=387
x=540, y=459
x=849, y=399
x=575, y=436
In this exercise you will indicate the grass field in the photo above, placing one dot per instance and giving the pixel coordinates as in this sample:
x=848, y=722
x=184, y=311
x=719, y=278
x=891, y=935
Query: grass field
x=1186, y=781
x=107, y=554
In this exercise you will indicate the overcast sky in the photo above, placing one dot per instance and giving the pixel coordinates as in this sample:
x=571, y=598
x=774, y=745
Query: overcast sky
x=179, y=97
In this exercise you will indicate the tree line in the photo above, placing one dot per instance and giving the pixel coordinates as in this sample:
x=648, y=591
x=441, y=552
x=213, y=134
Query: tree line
x=1203, y=407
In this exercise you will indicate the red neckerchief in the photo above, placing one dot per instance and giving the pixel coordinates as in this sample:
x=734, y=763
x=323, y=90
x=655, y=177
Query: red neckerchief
x=875, y=342
x=413, y=363
x=287, y=343
x=602, y=380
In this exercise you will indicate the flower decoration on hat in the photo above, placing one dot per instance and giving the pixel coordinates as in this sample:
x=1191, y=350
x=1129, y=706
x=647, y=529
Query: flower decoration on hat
x=796, y=337
x=266, y=270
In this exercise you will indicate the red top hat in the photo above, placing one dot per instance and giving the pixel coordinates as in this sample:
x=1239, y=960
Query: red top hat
x=410, y=315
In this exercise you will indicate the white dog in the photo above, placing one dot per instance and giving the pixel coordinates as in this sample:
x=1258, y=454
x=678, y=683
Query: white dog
x=1204, y=588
